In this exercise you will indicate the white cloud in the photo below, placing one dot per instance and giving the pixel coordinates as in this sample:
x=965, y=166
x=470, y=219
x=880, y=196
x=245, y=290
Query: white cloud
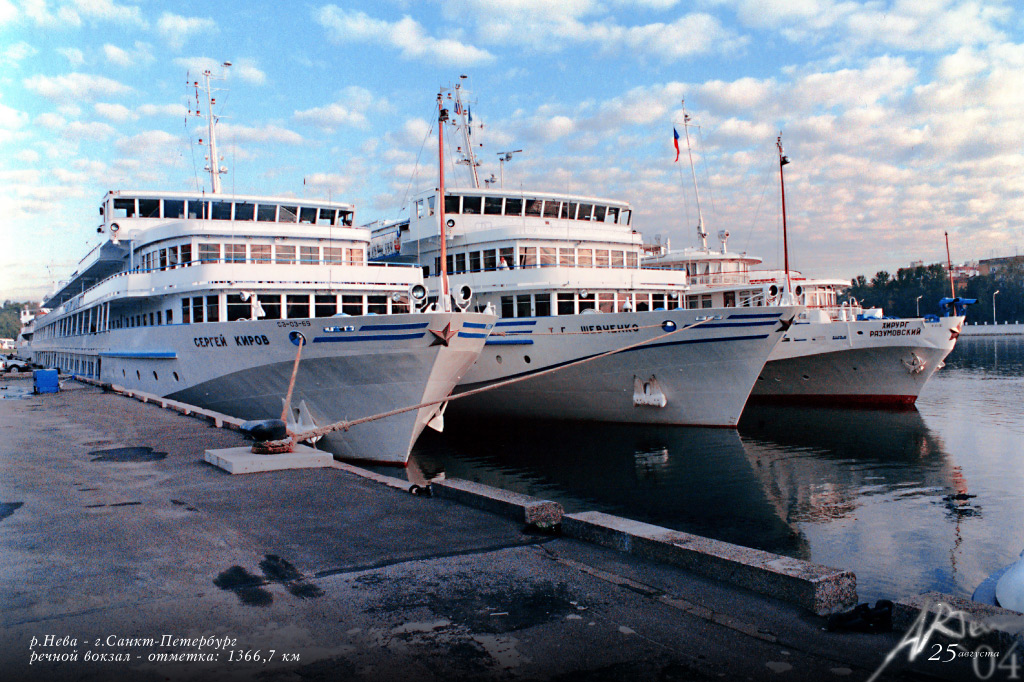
x=73, y=13
x=11, y=119
x=27, y=156
x=74, y=56
x=162, y=110
x=74, y=87
x=176, y=30
x=141, y=54
x=407, y=35
x=8, y=12
x=156, y=146
x=267, y=133
x=14, y=54
x=115, y=112
x=350, y=110
x=247, y=70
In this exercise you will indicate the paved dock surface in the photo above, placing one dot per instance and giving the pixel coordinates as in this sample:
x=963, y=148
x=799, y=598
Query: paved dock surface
x=114, y=534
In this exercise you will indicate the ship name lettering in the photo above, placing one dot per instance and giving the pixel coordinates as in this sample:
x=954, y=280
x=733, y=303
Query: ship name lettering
x=252, y=340
x=207, y=341
x=610, y=328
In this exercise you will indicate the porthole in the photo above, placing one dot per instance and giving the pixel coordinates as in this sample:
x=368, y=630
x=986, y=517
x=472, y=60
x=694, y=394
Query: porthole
x=123, y=374
x=806, y=377
x=526, y=359
x=497, y=358
x=138, y=375
x=175, y=376
x=155, y=376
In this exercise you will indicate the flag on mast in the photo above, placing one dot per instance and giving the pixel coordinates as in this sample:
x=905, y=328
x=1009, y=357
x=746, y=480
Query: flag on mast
x=675, y=141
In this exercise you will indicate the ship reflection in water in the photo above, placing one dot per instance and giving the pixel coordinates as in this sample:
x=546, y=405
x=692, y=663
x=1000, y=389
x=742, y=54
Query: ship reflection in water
x=912, y=501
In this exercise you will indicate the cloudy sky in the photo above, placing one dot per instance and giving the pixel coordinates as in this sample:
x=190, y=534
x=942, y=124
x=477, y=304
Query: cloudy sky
x=903, y=118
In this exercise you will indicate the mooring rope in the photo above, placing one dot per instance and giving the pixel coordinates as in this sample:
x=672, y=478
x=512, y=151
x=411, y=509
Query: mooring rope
x=345, y=425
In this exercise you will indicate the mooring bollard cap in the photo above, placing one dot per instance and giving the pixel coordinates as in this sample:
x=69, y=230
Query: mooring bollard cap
x=265, y=429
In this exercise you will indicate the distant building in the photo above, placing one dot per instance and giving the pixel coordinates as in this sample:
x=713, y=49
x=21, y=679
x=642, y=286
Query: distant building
x=7, y=344
x=989, y=265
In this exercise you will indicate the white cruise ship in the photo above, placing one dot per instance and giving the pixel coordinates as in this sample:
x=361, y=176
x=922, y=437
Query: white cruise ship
x=208, y=299
x=834, y=354
x=585, y=332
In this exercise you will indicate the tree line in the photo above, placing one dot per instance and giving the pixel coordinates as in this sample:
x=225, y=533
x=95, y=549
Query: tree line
x=924, y=285
x=10, y=319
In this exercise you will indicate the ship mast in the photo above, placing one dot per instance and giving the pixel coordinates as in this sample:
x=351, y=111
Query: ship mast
x=464, y=124
x=701, y=232
x=442, y=118
x=783, y=160
x=213, y=166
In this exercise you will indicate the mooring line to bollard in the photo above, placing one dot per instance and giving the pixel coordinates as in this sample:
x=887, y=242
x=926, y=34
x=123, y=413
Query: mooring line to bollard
x=291, y=382
x=345, y=425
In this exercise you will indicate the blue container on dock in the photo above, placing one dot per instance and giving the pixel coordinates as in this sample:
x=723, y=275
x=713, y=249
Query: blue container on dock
x=45, y=381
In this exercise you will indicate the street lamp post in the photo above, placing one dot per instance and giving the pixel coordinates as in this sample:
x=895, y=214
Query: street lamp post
x=994, y=306
x=918, y=301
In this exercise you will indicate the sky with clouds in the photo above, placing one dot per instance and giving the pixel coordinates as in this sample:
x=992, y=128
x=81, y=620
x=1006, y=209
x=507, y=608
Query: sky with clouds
x=903, y=118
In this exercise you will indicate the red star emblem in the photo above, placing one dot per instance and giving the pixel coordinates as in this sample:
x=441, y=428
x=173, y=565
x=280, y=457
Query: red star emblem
x=954, y=333
x=443, y=336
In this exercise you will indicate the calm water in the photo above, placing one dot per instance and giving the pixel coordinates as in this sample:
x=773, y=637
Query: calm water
x=928, y=499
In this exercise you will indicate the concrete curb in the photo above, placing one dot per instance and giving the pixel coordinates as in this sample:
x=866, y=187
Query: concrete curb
x=218, y=419
x=819, y=589
x=516, y=506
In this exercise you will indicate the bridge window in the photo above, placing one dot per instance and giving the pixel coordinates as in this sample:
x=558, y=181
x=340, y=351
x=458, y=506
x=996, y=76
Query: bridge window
x=452, y=203
x=245, y=211
x=220, y=210
x=570, y=211
x=266, y=214
x=307, y=215
x=492, y=205
x=288, y=214
x=124, y=208
x=174, y=208
x=613, y=215
x=586, y=210
x=599, y=213
x=533, y=207
x=471, y=205
x=149, y=208
x=326, y=216
x=513, y=207
x=551, y=208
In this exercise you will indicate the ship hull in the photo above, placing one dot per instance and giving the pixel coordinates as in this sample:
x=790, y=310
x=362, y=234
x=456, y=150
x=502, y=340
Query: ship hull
x=557, y=367
x=349, y=368
x=863, y=363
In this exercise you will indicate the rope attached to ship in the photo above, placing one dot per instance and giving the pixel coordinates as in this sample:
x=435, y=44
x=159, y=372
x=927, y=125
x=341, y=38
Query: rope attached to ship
x=345, y=425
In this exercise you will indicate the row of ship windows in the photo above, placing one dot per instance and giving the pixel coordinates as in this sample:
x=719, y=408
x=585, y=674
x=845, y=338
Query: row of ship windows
x=572, y=303
x=229, y=210
x=231, y=307
x=520, y=206
x=534, y=256
x=174, y=256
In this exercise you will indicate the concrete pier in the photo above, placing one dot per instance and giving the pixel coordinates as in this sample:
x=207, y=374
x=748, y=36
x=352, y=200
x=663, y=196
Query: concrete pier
x=126, y=556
